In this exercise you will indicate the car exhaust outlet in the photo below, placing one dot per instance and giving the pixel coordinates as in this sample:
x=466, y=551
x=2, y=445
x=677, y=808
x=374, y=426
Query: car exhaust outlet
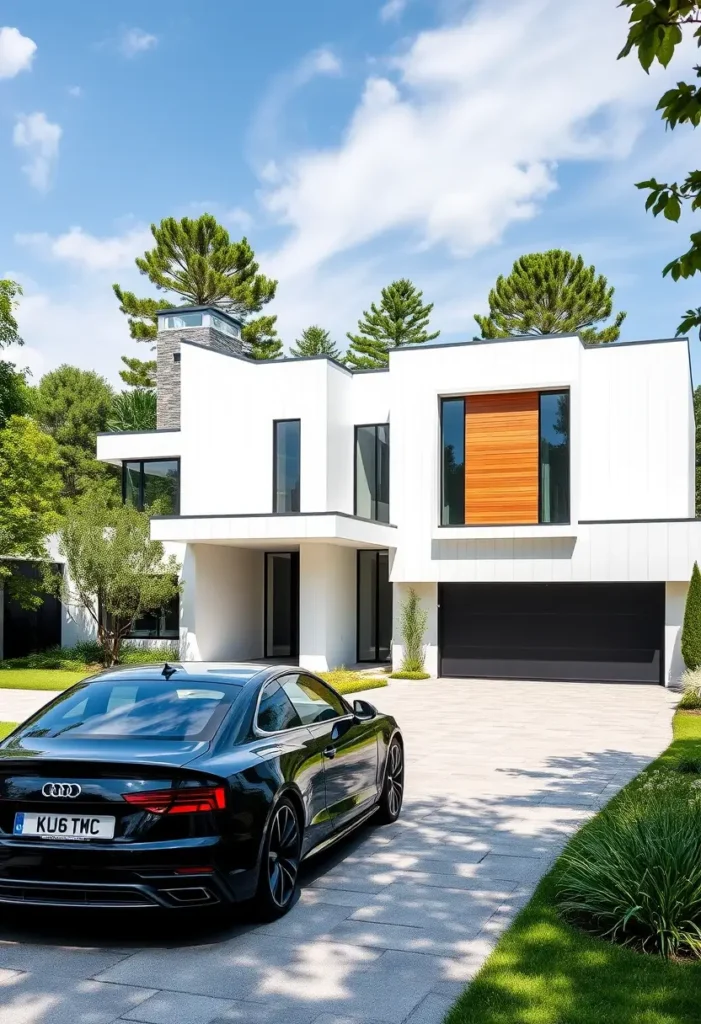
x=191, y=894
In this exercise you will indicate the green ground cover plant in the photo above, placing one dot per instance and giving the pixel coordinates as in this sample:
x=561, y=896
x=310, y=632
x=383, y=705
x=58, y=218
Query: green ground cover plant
x=546, y=970
x=5, y=728
x=346, y=681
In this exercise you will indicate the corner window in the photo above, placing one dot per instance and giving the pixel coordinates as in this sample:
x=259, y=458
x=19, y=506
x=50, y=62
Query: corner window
x=183, y=320
x=453, y=461
x=149, y=481
x=372, y=472
x=286, y=465
x=554, y=457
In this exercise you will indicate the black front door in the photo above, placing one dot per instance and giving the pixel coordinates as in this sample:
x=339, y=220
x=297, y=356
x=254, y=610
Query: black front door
x=374, y=606
x=281, y=604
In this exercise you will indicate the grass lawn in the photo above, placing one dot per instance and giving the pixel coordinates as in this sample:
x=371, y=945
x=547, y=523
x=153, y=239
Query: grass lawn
x=345, y=681
x=6, y=727
x=40, y=678
x=545, y=972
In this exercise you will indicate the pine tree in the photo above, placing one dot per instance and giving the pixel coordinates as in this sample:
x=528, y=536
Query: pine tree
x=551, y=293
x=197, y=261
x=691, y=628
x=139, y=373
x=315, y=341
x=401, y=319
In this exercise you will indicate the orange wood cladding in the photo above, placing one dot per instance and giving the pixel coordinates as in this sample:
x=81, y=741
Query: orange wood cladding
x=501, y=458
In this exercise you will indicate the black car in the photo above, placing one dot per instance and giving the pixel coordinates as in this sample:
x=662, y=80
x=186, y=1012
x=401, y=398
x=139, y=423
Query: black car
x=188, y=785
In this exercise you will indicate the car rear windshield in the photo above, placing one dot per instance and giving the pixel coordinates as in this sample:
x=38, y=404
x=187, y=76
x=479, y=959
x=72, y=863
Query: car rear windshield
x=138, y=708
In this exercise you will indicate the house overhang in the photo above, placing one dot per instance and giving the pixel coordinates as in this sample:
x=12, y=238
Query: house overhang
x=138, y=444
x=270, y=531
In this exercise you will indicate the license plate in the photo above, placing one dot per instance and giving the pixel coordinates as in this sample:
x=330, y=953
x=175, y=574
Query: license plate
x=63, y=826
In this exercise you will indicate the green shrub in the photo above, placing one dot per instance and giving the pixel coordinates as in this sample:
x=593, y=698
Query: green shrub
x=412, y=629
x=403, y=674
x=132, y=654
x=89, y=653
x=691, y=629
x=691, y=685
x=633, y=875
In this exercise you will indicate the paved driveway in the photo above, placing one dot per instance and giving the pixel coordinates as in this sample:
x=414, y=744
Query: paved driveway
x=391, y=925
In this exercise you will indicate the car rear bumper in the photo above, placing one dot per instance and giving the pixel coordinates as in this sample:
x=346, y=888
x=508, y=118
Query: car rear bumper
x=172, y=876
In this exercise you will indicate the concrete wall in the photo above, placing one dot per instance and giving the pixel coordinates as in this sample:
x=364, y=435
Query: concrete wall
x=327, y=601
x=428, y=594
x=228, y=603
x=675, y=600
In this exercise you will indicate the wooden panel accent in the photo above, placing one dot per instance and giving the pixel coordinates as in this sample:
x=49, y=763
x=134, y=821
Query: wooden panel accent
x=501, y=458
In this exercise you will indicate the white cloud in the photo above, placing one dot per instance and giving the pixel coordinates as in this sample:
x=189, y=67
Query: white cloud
x=392, y=10
x=135, y=41
x=16, y=52
x=467, y=137
x=320, y=62
x=40, y=138
x=89, y=252
x=75, y=91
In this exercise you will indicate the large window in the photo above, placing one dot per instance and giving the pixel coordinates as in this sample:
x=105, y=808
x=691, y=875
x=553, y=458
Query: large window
x=372, y=472
x=453, y=461
x=163, y=624
x=555, y=457
x=286, y=466
x=149, y=481
x=374, y=606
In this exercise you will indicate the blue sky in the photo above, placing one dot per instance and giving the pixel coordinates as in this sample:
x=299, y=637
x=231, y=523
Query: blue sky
x=352, y=143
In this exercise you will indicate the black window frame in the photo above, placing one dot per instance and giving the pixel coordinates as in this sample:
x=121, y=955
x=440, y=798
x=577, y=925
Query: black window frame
x=276, y=423
x=142, y=463
x=154, y=636
x=377, y=660
x=540, y=392
x=374, y=500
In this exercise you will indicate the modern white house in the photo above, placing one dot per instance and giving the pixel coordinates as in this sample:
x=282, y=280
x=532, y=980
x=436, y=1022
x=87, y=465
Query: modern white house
x=538, y=494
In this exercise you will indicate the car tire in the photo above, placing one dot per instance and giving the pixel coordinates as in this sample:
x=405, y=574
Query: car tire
x=390, y=805
x=279, y=868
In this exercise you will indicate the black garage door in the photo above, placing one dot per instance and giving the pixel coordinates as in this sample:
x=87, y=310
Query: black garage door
x=606, y=632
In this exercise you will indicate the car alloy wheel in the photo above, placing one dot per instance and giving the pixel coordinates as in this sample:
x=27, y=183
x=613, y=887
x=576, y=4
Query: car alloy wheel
x=395, y=780
x=284, y=850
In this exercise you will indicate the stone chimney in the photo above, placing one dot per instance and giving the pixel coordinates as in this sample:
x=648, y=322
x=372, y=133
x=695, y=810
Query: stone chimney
x=205, y=325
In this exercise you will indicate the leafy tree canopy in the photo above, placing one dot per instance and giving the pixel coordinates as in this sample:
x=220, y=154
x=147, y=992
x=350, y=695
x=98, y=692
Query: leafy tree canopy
x=133, y=410
x=138, y=373
x=196, y=260
x=656, y=29
x=400, y=319
x=73, y=406
x=30, y=495
x=551, y=293
x=315, y=341
x=9, y=290
x=14, y=394
x=114, y=569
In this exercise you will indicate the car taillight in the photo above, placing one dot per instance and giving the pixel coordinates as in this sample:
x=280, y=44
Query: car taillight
x=180, y=801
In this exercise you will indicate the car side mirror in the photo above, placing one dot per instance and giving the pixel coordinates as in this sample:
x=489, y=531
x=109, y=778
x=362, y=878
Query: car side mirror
x=363, y=711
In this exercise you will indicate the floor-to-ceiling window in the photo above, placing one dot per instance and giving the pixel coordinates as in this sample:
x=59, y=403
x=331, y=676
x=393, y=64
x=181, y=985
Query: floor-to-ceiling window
x=453, y=461
x=281, y=604
x=286, y=466
x=374, y=606
x=151, y=481
x=555, y=457
x=372, y=472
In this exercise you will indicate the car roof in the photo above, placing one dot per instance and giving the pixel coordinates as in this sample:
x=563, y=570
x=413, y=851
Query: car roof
x=237, y=673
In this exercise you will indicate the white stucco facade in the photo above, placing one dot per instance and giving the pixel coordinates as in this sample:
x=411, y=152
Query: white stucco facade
x=631, y=486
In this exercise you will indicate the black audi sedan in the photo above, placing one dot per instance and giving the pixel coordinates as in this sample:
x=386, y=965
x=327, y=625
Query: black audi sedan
x=188, y=785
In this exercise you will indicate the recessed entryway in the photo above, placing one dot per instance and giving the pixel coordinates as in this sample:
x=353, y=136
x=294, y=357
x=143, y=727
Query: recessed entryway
x=281, y=604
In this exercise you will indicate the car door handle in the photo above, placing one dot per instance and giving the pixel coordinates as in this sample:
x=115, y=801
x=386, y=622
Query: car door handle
x=329, y=752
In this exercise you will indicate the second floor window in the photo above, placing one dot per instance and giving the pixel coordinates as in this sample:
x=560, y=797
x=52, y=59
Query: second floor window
x=286, y=465
x=372, y=472
x=149, y=481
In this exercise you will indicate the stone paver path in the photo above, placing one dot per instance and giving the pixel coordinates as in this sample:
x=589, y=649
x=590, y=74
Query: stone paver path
x=393, y=923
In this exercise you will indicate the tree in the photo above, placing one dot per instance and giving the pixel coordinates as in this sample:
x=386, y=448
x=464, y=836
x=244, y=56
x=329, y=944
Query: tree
x=73, y=406
x=691, y=627
x=133, y=410
x=30, y=494
x=114, y=569
x=656, y=29
x=551, y=293
x=9, y=290
x=139, y=373
x=14, y=394
x=315, y=341
x=196, y=260
x=401, y=319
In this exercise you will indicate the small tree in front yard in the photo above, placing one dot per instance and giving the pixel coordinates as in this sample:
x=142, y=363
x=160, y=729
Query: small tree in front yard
x=412, y=628
x=691, y=629
x=114, y=569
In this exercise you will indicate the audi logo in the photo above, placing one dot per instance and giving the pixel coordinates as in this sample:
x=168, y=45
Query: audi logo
x=61, y=789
